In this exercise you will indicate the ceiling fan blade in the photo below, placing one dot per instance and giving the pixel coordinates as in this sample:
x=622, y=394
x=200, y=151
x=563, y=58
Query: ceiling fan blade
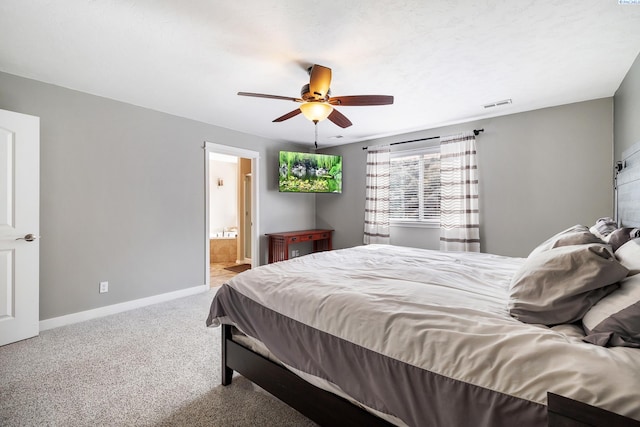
x=339, y=119
x=320, y=80
x=262, y=95
x=361, y=100
x=288, y=115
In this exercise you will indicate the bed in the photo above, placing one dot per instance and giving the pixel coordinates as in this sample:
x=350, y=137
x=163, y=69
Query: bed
x=386, y=335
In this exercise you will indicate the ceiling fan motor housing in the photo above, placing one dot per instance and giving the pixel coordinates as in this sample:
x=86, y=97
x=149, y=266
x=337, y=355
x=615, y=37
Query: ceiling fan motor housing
x=305, y=93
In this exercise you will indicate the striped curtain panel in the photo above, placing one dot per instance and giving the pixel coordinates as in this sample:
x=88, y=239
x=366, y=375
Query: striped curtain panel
x=459, y=216
x=376, y=211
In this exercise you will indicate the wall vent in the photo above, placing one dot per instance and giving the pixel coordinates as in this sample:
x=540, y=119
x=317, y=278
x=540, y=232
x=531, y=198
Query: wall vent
x=498, y=103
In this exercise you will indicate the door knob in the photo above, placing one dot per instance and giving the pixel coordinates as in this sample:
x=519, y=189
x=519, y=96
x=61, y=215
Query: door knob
x=28, y=237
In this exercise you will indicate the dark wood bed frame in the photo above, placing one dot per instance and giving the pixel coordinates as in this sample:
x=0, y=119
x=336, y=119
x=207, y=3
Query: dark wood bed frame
x=321, y=406
x=328, y=409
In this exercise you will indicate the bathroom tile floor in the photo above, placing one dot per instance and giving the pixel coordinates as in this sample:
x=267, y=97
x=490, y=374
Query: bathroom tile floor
x=218, y=274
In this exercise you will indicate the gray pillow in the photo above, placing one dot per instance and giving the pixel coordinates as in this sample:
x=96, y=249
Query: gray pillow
x=576, y=235
x=622, y=236
x=615, y=320
x=561, y=284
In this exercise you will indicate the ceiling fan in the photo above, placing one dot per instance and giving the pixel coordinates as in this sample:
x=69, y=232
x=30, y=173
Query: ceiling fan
x=316, y=102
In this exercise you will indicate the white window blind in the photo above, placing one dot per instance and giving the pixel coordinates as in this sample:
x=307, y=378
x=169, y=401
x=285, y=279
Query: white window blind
x=415, y=186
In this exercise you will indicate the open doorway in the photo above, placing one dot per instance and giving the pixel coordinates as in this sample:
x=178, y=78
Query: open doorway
x=231, y=211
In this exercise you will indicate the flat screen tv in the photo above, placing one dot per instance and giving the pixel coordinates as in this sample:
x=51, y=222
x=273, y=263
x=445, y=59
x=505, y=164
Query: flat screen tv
x=309, y=173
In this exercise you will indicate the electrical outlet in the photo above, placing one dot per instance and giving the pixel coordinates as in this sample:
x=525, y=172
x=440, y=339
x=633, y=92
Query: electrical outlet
x=104, y=287
x=295, y=253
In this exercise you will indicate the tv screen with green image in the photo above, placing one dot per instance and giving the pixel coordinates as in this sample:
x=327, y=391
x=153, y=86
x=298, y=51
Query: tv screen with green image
x=309, y=173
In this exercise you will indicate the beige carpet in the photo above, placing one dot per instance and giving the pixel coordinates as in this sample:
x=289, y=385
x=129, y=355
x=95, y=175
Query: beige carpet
x=154, y=366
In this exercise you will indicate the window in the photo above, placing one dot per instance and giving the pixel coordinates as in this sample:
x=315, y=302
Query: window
x=415, y=186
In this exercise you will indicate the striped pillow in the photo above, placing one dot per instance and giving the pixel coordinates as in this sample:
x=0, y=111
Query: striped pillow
x=615, y=320
x=604, y=227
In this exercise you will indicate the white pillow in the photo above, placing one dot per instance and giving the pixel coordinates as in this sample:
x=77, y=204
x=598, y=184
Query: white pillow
x=629, y=256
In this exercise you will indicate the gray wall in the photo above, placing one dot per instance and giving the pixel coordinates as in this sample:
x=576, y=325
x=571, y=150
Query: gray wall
x=123, y=196
x=627, y=111
x=122, y=187
x=540, y=171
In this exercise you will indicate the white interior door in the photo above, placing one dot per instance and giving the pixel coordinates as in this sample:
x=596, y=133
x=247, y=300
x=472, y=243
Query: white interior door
x=19, y=226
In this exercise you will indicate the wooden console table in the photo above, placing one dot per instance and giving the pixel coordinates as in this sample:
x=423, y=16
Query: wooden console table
x=279, y=242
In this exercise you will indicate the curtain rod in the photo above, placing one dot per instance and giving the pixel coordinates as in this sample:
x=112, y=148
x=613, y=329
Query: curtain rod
x=475, y=132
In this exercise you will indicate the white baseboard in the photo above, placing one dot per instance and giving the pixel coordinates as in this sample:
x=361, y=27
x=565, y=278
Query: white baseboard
x=81, y=316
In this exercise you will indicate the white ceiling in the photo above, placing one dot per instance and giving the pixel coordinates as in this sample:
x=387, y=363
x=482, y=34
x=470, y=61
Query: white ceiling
x=441, y=59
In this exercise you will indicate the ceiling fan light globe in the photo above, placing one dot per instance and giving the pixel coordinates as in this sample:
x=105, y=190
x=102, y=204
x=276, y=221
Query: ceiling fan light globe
x=316, y=111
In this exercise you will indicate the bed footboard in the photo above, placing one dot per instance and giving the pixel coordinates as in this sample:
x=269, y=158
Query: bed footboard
x=321, y=406
x=328, y=409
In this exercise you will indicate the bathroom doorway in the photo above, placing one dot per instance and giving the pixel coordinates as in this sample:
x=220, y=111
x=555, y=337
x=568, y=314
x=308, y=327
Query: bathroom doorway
x=231, y=212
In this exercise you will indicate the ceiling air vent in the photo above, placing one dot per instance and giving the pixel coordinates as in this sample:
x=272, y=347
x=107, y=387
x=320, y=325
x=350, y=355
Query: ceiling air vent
x=498, y=103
